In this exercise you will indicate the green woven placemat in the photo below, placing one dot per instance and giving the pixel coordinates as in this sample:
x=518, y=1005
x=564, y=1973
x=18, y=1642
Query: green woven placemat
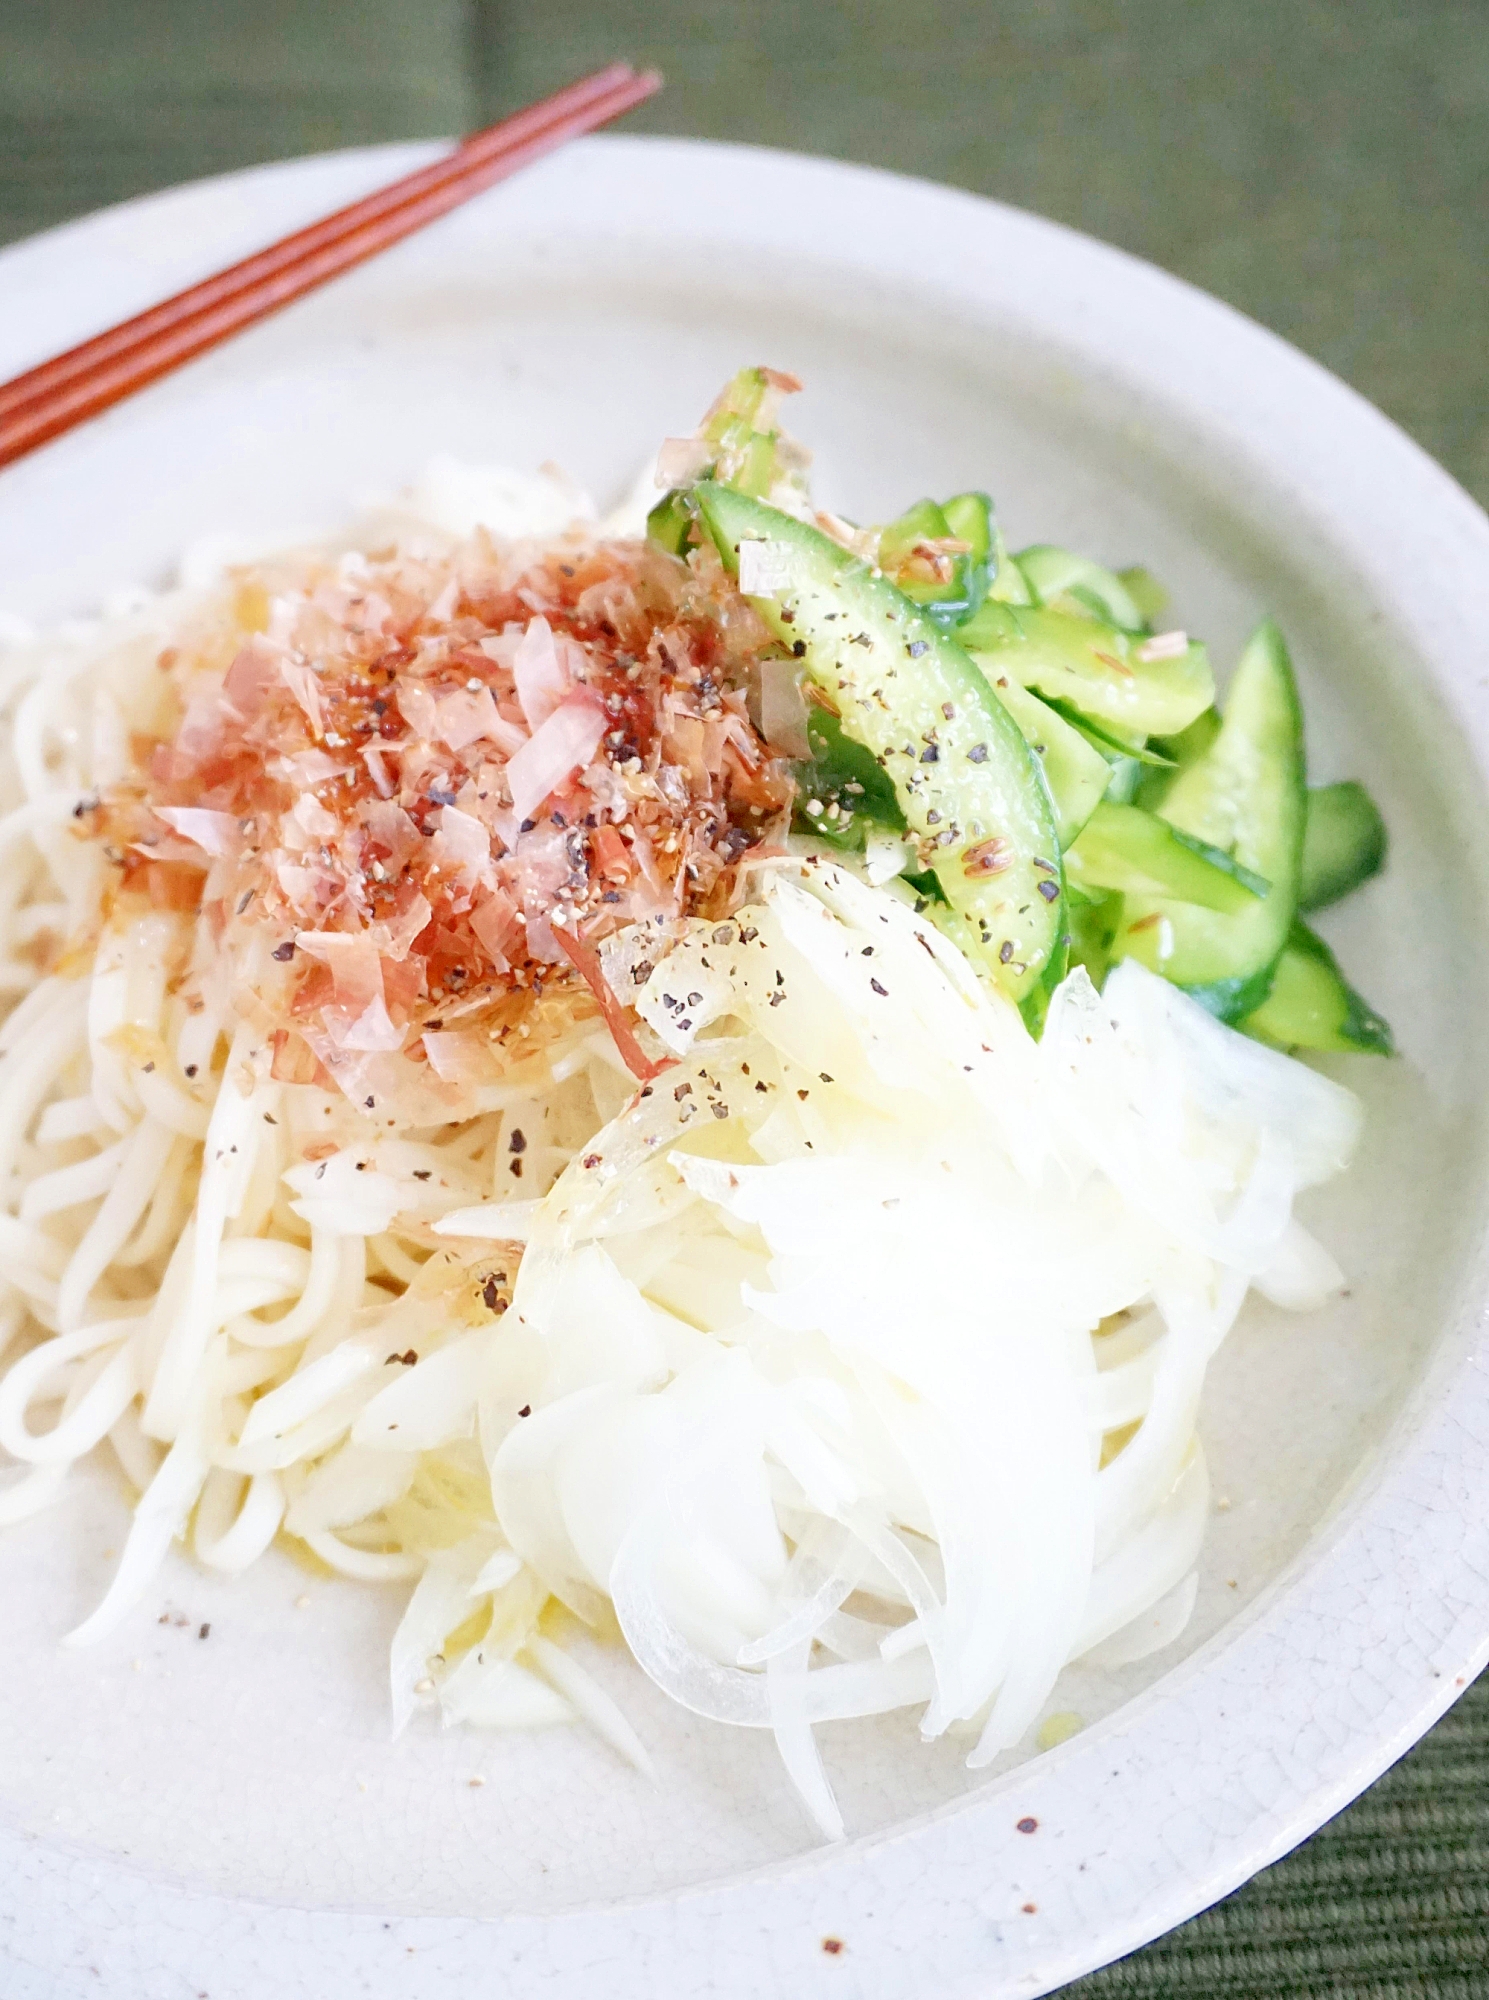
x=100, y=99
x=1320, y=163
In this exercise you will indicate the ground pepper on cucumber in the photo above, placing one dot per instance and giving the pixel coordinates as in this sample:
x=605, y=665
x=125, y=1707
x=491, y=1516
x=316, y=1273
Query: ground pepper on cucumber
x=1015, y=738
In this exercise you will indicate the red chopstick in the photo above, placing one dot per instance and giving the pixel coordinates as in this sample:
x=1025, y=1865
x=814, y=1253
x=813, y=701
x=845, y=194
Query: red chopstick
x=86, y=380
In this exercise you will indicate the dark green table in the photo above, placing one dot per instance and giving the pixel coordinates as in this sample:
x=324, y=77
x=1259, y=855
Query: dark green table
x=1323, y=164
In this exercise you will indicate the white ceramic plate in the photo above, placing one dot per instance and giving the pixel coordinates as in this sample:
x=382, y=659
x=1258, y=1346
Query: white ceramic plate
x=229, y=1817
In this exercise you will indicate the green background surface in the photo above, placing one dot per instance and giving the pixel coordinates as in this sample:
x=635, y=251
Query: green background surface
x=1323, y=167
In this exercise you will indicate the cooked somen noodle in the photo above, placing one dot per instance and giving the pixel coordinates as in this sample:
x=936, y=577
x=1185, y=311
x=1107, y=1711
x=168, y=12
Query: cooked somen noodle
x=447, y=1122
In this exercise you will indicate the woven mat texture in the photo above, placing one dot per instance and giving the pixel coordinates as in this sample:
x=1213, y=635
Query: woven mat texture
x=1321, y=164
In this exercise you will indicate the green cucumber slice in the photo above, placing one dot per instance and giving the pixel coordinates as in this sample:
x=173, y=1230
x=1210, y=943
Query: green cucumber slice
x=955, y=596
x=1244, y=797
x=1110, y=742
x=1097, y=669
x=670, y=522
x=1191, y=744
x=1007, y=585
x=1052, y=573
x=1126, y=850
x=749, y=452
x=968, y=784
x=1093, y=925
x=1344, y=843
x=1076, y=774
x=1125, y=783
x=1178, y=752
x=842, y=773
x=970, y=517
x=1146, y=592
x=1313, y=1006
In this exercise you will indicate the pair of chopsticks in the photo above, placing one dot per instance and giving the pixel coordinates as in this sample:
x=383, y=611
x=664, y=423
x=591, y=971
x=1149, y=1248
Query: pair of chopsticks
x=72, y=387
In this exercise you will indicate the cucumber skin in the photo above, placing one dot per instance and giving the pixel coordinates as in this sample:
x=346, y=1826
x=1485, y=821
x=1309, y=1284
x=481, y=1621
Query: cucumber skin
x=1318, y=985
x=1180, y=752
x=836, y=762
x=1231, y=1000
x=1007, y=923
x=1264, y=679
x=1344, y=843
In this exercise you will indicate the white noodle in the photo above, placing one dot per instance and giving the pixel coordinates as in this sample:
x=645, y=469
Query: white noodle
x=144, y=1154
x=236, y=1520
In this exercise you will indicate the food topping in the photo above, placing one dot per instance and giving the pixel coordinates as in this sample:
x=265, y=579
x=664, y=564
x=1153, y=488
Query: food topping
x=420, y=787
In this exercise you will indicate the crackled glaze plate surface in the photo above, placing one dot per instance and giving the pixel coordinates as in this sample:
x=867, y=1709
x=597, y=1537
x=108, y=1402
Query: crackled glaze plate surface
x=228, y=1815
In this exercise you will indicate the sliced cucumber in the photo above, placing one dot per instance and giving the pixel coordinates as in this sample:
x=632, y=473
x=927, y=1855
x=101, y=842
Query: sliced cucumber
x=1076, y=774
x=1191, y=744
x=1125, y=779
x=842, y=774
x=970, y=516
x=1178, y=753
x=1313, y=1006
x=1112, y=743
x=1097, y=669
x=1093, y=925
x=749, y=452
x=968, y=784
x=1052, y=573
x=1124, y=849
x=1008, y=585
x=1245, y=797
x=1146, y=592
x=1344, y=843
x=669, y=523
x=952, y=588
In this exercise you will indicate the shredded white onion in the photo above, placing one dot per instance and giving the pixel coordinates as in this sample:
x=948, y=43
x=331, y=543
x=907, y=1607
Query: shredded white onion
x=783, y=708
x=913, y=1233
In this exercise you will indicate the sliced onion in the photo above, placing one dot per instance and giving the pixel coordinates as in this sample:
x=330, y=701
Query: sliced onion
x=506, y=1695
x=429, y=1404
x=160, y=1514
x=590, y=1701
x=783, y=708
x=1159, y=1626
x=1152, y=1562
x=786, y=1694
x=729, y=1694
x=348, y=1486
x=1302, y=1275
x=440, y=1601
